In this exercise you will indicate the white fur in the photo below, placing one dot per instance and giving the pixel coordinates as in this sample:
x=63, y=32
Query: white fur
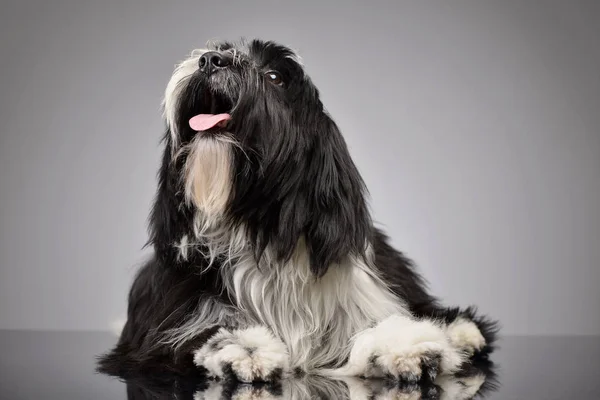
x=253, y=353
x=465, y=335
x=179, y=78
x=208, y=175
x=316, y=318
x=396, y=347
x=207, y=186
x=183, y=248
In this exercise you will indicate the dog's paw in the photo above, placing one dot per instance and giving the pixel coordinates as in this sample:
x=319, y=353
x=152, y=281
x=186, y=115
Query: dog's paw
x=403, y=349
x=250, y=355
x=465, y=336
x=411, y=364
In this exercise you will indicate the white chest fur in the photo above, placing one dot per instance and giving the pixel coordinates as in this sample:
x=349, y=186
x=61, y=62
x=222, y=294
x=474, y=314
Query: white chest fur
x=315, y=318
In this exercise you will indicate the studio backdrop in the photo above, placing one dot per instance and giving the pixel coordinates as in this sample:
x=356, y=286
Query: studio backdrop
x=476, y=127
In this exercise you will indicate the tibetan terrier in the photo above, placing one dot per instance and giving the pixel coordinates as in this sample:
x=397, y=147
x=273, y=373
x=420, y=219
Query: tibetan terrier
x=266, y=261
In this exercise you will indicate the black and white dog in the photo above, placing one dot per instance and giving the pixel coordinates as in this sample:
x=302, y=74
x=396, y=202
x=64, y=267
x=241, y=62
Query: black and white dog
x=266, y=261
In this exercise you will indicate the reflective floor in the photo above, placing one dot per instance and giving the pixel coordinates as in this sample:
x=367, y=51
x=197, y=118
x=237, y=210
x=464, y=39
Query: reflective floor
x=60, y=365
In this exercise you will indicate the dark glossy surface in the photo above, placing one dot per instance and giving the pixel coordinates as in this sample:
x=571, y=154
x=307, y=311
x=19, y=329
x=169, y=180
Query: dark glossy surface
x=60, y=365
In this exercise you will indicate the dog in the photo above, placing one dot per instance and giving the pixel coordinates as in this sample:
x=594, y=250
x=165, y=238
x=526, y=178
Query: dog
x=266, y=261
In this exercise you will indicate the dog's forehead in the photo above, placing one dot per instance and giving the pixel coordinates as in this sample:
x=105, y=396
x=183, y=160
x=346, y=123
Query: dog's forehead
x=260, y=51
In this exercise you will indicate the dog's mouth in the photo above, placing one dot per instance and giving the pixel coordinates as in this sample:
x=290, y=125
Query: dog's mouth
x=215, y=114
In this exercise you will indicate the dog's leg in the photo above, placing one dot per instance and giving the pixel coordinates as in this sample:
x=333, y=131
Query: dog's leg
x=249, y=354
x=403, y=348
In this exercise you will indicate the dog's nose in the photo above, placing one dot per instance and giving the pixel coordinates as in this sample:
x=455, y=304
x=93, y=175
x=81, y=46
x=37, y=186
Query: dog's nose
x=213, y=60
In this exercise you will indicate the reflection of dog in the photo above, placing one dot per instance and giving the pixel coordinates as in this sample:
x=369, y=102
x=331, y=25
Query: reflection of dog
x=266, y=259
x=348, y=388
x=478, y=380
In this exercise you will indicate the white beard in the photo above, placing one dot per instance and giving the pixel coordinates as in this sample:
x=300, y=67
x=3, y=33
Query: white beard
x=207, y=175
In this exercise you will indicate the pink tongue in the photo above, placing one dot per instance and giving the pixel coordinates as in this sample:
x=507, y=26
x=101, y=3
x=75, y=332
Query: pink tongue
x=203, y=122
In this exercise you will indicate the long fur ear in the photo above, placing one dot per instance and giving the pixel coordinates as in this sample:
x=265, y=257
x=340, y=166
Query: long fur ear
x=339, y=224
x=310, y=190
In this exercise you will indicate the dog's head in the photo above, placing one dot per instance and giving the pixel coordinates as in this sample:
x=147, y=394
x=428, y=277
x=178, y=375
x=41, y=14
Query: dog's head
x=249, y=144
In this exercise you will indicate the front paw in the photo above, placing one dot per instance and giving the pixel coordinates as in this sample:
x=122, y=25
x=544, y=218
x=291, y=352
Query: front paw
x=403, y=349
x=413, y=350
x=421, y=361
x=465, y=336
x=250, y=355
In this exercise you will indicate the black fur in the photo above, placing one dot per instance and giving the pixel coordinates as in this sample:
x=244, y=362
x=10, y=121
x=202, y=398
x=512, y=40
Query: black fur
x=293, y=177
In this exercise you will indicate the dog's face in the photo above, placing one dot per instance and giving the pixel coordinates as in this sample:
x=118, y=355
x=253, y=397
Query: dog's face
x=260, y=85
x=254, y=147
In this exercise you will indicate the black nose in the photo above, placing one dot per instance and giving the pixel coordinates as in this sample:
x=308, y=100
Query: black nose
x=213, y=60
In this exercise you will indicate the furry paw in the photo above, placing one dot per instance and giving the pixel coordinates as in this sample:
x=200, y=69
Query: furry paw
x=465, y=336
x=250, y=355
x=411, y=364
x=404, y=349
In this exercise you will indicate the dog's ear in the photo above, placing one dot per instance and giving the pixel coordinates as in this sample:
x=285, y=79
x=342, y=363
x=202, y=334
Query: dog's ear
x=338, y=222
x=315, y=194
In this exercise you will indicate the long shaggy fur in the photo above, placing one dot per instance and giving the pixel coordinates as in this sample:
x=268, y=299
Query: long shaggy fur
x=265, y=223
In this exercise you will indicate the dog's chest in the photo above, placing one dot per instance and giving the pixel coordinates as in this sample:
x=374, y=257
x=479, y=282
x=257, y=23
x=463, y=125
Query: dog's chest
x=315, y=318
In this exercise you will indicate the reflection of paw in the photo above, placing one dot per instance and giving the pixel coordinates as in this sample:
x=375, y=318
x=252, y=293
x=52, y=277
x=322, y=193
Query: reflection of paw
x=214, y=391
x=377, y=389
x=234, y=390
x=465, y=336
x=404, y=349
x=251, y=354
x=460, y=388
x=249, y=392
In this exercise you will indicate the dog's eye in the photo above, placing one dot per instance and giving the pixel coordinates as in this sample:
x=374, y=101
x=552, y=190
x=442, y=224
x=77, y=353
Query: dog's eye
x=274, y=77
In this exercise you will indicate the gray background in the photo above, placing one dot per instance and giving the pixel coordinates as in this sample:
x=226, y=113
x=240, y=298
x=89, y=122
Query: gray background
x=475, y=124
